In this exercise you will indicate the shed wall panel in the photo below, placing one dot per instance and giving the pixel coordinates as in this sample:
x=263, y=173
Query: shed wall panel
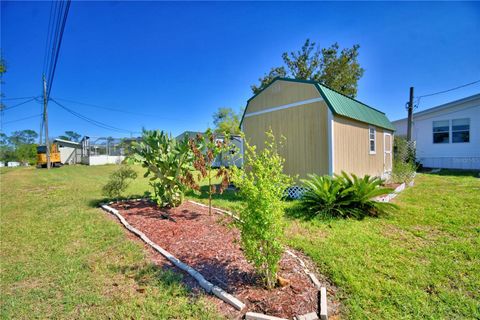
x=351, y=148
x=281, y=93
x=305, y=129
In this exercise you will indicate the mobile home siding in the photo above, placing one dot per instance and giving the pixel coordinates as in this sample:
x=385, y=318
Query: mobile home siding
x=465, y=155
x=304, y=126
x=351, y=148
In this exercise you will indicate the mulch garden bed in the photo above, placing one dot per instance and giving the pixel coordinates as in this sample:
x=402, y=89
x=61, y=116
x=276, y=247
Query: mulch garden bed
x=211, y=245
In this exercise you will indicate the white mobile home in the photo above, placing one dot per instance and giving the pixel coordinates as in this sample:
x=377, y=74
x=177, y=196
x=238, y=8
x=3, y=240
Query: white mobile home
x=447, y=136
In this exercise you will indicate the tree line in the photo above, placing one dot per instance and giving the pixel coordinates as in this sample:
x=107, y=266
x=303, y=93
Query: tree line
x=20, y=146
x=332, y=66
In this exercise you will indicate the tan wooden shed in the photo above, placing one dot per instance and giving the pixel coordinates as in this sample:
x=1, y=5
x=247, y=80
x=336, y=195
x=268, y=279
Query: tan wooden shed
x=326, y=132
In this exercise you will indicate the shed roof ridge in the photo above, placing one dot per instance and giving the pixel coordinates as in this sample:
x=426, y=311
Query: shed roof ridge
x=383, y=121
x=328, y=87
x=366, y=105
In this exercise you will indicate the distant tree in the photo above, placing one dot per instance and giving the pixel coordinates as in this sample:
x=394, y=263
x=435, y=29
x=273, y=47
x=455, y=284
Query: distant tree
x=226, y=121
x=267, y=78
x=71, y=136
x=26, y=153
x=23, y=137
x=338, y=69
x=3, y=66
x=6, y=149
x=3, y=139
x=3, y=69
x=19, y=146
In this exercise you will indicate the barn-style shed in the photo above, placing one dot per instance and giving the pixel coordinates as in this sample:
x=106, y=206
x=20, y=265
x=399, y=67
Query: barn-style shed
x=326, y=131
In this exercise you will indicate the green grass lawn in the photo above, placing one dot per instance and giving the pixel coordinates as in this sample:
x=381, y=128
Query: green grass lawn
x=422, y=261
x=61, y=257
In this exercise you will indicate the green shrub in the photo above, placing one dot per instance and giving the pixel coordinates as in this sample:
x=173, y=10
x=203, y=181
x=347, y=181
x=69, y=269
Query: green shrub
x=206, y=148
x=344, y=196
x=403, y=171
x=403, y=150
x=262, y=185
x=169, y=164
x=118, y=182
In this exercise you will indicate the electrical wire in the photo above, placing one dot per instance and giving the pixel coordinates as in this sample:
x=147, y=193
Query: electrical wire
x=92, y=121
x=19, y=104
x=48, y=39
x=19, y=98
x=21, y=119
x=119, y=110
x=448, y=90
x=60, y=37
x=54, y=37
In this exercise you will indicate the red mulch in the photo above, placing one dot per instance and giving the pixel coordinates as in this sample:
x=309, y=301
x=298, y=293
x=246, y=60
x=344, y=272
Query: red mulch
x=211, y=245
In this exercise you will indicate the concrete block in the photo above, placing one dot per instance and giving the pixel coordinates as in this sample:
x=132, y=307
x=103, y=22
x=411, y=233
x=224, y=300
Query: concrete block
x=315, y=280
x=260, y=316
x=308, y=316
x=228, y=298
x=323, y=303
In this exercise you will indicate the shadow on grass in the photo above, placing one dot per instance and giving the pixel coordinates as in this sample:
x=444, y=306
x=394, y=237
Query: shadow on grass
x=295, y=211
x=95, y=203
x=161, y=276
x=453, y=172
x=227, y=195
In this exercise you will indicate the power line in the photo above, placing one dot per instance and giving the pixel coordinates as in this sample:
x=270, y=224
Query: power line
x=19, y=104
x=21, y=119
x=448, y=90
x=48, y=39
x=59, y=13
x=119, y=110
x=58, y=37
x=19, y=98
x=92, y=121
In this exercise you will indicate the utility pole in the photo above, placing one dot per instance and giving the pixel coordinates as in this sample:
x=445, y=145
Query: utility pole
x=45, y=120
x=410, y=116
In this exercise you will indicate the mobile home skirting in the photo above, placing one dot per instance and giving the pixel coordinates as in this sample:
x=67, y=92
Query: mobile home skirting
x=472, y=163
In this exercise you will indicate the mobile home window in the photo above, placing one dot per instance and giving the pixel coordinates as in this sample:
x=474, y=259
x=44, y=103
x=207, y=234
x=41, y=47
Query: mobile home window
x=441, y=131
x=372, y=140
x=460, y=130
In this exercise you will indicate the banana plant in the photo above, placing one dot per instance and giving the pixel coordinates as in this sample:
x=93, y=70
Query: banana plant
x=169, y=165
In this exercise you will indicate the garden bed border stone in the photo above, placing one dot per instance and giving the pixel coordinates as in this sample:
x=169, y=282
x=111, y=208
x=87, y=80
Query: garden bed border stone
x=395, y=192
x=217, y=291
x=205, y=284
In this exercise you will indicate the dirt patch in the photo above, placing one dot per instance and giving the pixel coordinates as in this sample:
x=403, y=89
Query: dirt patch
x=211, y=245
x=392, y=186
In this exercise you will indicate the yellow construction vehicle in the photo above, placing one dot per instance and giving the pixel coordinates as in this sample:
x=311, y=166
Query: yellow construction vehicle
x=42, y=156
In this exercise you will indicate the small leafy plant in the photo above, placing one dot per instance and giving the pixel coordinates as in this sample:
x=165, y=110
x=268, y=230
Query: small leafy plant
x=344, y=196
x=169, y=164
x=404, y=166
x=403, y=171
x=206, y=148
x=262, y=185
x=118, y=182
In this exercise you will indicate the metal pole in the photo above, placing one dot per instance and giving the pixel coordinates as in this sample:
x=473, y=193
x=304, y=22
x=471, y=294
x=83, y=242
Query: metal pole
x=410, y=116
x=45, y=119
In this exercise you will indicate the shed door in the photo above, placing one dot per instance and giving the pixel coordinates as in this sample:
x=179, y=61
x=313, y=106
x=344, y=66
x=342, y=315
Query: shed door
x=387, y=151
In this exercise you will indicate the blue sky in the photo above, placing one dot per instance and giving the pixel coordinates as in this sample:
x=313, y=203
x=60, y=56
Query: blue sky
x=174, y=64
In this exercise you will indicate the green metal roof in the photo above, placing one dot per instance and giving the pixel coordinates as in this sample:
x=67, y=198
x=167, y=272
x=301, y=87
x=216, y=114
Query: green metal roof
x=345, y=106
x=342, y=105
